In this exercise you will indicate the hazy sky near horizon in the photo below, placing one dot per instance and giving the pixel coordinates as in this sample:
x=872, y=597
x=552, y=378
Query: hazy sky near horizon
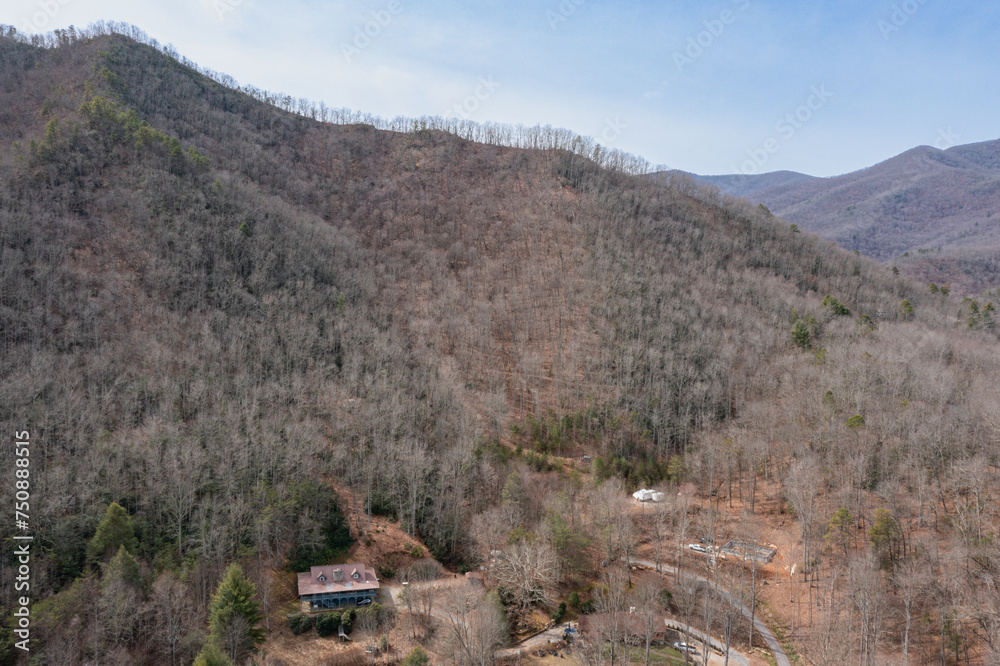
x=711, y=87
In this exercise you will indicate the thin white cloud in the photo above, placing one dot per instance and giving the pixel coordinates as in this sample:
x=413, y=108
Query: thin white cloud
x=607, y=63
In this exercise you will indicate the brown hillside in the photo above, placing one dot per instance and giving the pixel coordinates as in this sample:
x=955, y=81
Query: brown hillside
x=239, y=316
x=941, y=201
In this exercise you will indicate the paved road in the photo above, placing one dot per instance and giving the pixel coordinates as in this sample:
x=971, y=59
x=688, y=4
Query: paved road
x=762, y=629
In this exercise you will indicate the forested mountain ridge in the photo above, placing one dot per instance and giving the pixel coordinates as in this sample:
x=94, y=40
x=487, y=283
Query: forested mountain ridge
x=748, y=185
x=211, y=307
x=931, y=211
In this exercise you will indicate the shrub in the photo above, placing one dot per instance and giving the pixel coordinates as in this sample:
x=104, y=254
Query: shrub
x=327, y=623
x=347, y=619
x=300, y=623
x=560, y=613
x=417, y=657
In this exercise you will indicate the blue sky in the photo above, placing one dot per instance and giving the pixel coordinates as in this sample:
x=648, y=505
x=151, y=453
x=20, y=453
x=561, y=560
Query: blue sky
x=711, y=87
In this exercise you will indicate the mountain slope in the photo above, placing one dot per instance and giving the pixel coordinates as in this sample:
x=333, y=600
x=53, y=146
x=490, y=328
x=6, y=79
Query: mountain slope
x=740, y=185
x=925, y=199
x=213, y=308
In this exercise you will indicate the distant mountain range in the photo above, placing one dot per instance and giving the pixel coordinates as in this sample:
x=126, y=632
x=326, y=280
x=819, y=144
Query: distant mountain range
x=240, y=337
x=934, y=213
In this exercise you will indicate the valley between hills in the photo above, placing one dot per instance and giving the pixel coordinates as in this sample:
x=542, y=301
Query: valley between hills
x=249, y=335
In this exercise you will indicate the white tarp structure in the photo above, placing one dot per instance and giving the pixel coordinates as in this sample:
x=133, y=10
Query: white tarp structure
x=648, y=495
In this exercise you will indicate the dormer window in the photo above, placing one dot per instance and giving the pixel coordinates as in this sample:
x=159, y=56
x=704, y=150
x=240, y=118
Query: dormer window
x=322, y=578
x=356, y=575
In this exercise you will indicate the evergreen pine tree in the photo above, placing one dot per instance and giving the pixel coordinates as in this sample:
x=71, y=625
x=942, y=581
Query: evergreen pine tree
x=233, y=615
x=113, y=532
x=212, y=655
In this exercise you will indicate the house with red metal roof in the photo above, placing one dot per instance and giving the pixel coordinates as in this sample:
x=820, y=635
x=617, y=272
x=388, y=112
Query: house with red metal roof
x=337, y=586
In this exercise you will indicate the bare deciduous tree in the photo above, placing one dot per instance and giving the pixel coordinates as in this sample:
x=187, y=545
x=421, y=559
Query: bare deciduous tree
x=477, y=627
x=528, y=570
x=647, y=605
x=869, y=603
x=421, y=591
x=171, y=611
x=911, y=579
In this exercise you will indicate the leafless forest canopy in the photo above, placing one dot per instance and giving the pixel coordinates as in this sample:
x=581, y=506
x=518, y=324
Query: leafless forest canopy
x=216, y=302
x=931, y=212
